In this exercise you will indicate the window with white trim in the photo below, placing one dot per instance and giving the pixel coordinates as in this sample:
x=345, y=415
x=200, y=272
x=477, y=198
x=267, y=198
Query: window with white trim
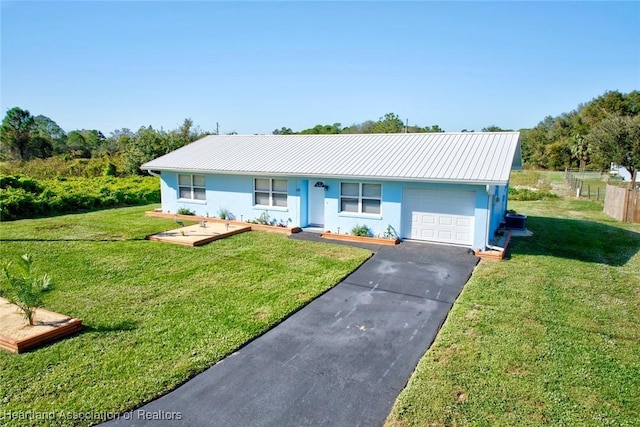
x=358, y=197
x=191, y=187
x=270, y=192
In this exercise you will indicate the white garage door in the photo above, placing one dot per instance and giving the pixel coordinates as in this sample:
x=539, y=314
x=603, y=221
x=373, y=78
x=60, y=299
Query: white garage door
x=438, y=215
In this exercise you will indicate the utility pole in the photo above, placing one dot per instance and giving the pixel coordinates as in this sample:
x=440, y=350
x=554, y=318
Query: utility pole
x=217, y=129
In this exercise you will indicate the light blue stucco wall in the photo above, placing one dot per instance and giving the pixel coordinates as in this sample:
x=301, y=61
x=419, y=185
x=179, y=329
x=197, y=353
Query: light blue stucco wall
x=498, y=202
x=390, y=209
x=231, y=192
x=235, y=193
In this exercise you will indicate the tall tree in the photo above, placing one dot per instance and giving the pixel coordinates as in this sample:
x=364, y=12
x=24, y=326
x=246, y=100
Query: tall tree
x=94, y=139
x=283, y=131
x=611, y=102
x=617, y=139
x=580, y=150
x=147, y=145
x=77, y=145
x=50, y=132
x=15, y=134
x=333, y=129
x=494, y=128
x=390, y=123
x=364, y=127
x=119, y=140
x=432, y=129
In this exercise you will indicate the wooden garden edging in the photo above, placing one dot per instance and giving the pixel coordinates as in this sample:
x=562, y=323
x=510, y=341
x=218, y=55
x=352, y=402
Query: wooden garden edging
x=360, y=239
x=270, y=228
x=21, y=345
x=195, y=218
x=494, y=254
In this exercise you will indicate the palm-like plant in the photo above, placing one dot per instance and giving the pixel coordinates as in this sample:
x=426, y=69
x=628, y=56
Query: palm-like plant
x=25, y=289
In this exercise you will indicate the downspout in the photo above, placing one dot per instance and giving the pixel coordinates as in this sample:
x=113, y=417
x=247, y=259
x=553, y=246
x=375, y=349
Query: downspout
x=152, y=173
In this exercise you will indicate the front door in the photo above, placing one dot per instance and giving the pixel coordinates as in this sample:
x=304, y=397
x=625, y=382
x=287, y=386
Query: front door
x=316, y=203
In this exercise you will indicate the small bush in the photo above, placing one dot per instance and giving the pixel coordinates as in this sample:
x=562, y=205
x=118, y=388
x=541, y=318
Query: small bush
x=185, y=211
x=526, y=194
x=110, y=169
x=361, y=230
x=20, y=181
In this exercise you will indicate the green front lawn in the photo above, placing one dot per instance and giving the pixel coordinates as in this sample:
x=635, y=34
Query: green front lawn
x=550, y=336
x=155, y=314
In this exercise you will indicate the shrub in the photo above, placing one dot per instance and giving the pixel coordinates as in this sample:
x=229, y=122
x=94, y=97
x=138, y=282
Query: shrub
x=185, y=211
x=526, y=194
x=264, y=218
x=361, y=230
x=224, y=214
x=53, y=167
x=110, y=169
x=20, y=181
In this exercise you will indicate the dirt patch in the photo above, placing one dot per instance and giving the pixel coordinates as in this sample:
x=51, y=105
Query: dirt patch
x=261, y=315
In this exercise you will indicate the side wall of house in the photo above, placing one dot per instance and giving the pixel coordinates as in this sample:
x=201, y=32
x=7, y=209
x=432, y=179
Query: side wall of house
x=499, y=199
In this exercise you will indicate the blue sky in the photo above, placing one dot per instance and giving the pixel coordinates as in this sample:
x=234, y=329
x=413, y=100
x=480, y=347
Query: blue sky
x=257, y=66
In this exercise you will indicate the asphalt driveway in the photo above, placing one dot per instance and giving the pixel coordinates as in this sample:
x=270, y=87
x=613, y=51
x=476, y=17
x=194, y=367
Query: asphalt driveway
x=340, y=361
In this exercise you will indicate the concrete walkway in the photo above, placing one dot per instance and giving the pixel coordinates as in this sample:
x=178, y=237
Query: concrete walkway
x=340, y=361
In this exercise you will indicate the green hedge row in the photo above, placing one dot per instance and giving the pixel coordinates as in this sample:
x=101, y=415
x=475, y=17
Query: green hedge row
x=24, y=197
x=54, y=167
x=525, y=194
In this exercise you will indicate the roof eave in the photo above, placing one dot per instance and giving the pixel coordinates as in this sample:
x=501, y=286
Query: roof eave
x=330, y=176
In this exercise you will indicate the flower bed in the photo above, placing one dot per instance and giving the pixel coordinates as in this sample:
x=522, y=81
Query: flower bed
x=195, y=218
x=495, y=254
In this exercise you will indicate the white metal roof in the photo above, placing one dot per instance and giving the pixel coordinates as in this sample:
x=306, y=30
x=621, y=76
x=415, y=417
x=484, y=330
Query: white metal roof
x=467, y=157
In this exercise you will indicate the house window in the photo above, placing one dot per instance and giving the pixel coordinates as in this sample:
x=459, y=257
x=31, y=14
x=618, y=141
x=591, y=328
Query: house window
x=270, y=192
x=191, y=187
x=360, y=198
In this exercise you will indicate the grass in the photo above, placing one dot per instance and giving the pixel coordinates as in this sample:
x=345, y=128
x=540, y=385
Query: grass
x=550, y=336
x=155, y=313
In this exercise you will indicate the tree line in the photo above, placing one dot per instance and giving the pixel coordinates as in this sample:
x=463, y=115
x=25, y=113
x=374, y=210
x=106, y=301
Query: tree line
x=25, y=137
x=596, y=133
x=603, y=130
x=389, y=123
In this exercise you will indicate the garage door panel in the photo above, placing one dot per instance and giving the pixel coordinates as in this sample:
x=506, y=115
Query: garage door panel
x=463, y=236
x=445, y=220
x=438, y=215
x=425, y=234
x=463, y=222
x=444, y=235
x=429, y=219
